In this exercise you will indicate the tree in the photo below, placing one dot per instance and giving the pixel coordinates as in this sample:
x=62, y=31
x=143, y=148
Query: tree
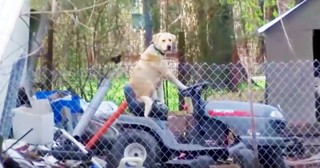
x=215, y=31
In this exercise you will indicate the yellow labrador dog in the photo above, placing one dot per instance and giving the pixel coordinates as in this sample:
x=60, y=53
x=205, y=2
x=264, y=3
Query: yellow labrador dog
x=152, y=69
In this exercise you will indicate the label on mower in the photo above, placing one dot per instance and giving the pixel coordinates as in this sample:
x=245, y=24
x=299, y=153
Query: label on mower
x=249, y=132
x=228, y=112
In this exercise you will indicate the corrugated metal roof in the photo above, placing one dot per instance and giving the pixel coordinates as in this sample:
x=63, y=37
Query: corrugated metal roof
x=276, y=20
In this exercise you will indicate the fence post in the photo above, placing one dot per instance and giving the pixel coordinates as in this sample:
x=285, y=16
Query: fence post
x=181, y=67
x=253, y=121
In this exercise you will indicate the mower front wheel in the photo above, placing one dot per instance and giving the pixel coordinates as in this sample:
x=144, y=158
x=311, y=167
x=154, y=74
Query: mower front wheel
x=135, y=143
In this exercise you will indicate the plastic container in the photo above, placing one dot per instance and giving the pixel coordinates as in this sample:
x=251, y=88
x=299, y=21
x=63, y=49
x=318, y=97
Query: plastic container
x=39, y=117
x=70, y=101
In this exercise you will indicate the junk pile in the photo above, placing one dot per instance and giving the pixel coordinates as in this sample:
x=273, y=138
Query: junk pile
x=42, y=128
x=36, y=142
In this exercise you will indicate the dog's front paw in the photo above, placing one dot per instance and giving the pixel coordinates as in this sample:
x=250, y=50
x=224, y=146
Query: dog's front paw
x=184, y=87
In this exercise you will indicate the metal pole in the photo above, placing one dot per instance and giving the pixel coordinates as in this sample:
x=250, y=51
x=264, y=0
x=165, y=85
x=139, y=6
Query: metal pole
x=79, y=145
x=92, y=108
x=11, y=98
x=253, y=124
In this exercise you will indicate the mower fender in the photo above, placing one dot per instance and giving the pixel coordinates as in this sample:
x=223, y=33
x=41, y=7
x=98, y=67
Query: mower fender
x=164, y=135
x=150, y=125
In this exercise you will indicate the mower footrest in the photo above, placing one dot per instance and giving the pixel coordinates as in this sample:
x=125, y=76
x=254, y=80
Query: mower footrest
x=215, y=152
x=199, y=162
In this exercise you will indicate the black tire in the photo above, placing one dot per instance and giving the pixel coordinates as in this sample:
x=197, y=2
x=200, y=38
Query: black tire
x=317, y=106
x=296, y=148
x=242, y=156
x=132, y=136
x=268, y=157
x=318, y=115
x=272, y=157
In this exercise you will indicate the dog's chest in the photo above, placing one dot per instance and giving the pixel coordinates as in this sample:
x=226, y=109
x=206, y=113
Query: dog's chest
x=156, y=67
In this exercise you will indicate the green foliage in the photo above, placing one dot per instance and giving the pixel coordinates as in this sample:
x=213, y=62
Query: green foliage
x=251, y=15
x=116, y=93
x=106, y=30
x=38, y=4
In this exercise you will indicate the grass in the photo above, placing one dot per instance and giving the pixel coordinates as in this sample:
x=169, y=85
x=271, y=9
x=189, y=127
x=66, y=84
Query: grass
x=116, y=93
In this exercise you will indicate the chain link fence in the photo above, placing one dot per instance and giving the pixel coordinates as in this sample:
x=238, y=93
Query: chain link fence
x=267, y=117
x=234, y=115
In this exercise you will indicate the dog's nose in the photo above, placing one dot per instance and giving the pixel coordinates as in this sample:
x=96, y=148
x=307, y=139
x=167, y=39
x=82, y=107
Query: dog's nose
x=168, y=47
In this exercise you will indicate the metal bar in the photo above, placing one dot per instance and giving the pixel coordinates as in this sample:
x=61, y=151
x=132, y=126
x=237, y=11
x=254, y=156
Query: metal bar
x=11, y=98
x=92, y=108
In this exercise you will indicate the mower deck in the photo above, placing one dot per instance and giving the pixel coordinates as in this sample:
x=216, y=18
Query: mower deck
x=200, y=162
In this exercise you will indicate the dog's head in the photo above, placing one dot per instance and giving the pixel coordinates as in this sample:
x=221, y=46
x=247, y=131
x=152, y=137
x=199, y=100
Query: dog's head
x=164, y=41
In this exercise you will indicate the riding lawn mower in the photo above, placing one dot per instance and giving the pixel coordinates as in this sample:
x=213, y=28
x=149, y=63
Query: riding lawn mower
x=214, y=123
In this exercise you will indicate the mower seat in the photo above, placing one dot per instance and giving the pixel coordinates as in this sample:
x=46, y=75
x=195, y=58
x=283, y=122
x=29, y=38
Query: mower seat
x=158, y=110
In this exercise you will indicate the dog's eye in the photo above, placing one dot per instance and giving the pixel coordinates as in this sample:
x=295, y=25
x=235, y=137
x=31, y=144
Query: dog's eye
x=170, y=40
x=163, y=40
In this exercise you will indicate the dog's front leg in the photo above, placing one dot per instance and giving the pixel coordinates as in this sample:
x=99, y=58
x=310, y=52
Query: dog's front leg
x=160, y=93
x=155, y=96
x=175, y=81
x=147, y=105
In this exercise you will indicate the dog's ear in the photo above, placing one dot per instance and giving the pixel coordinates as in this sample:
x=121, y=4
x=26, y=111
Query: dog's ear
x=174, y=38
x=155, y=38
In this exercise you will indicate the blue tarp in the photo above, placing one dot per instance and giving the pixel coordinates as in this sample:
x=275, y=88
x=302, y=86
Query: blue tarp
x=73, y=104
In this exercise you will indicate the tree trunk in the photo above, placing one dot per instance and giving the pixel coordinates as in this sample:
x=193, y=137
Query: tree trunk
x=216, y=43
x=202, y=35
x=49, y=57
x=221, y=33
x=155, y=7
x=148, y=22
x=268, y=11
x=215, y=34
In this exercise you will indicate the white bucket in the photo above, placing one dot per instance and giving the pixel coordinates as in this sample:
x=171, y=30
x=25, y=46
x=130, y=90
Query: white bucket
x=39, y=117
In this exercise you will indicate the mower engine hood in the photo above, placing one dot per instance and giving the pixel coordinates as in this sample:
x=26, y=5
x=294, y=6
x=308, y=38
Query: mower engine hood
x=240, y=109
x=269, y=121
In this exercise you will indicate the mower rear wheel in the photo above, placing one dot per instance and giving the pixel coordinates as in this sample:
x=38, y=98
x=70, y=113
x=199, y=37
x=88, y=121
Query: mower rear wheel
x=242, y=156
x=135, y=143
x=272, y=157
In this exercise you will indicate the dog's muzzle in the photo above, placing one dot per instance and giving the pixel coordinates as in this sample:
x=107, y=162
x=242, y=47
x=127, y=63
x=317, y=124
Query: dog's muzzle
x=169, y=48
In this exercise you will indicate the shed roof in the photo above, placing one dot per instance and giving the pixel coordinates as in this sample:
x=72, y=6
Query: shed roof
x=279, y=18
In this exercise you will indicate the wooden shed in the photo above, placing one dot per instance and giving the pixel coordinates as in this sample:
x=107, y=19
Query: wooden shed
x=292, y=43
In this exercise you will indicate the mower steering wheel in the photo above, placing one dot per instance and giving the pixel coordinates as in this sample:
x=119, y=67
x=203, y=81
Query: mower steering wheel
x=197, y=88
